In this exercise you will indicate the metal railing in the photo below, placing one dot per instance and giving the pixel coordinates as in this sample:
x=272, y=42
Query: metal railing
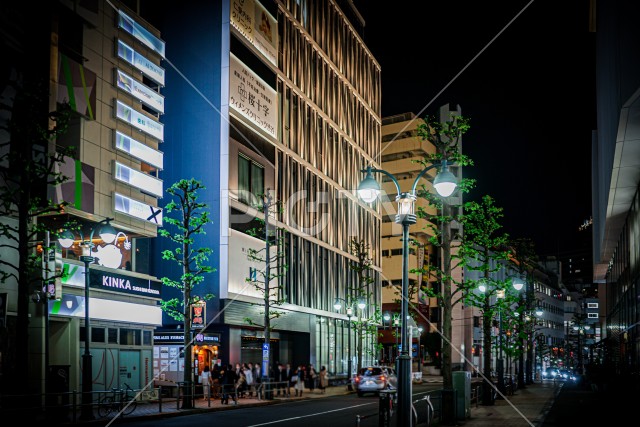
x=425, y=409
x=67, y=406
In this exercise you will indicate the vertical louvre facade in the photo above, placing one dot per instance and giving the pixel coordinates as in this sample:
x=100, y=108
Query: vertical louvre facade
x=298, y=98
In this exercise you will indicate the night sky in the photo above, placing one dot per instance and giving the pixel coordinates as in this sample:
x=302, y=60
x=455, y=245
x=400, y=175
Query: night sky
x=529, y=96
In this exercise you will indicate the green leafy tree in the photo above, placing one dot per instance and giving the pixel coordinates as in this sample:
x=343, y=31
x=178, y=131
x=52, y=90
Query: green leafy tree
x=484, y=250
x=271, y=257
x=524, y=255
x=445, y=136
x=188, y=217
x=28, y=160
x=360, y=292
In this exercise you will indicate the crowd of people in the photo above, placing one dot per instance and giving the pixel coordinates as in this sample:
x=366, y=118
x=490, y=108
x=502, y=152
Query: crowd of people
x=243, y=380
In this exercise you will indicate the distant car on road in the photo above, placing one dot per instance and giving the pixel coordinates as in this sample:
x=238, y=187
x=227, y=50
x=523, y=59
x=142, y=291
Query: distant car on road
x=568, y=375
x=372, y=379
x=551, y=373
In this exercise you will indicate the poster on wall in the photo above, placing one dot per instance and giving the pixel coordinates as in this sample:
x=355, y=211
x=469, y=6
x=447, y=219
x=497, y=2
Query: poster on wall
x=258, y=26
x=79, y=187
x=252, y=97
x=77, y=87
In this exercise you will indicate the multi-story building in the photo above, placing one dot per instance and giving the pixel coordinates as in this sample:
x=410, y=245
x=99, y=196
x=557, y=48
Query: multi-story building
x=280, y=97
x=615, y=195
x=102, y=60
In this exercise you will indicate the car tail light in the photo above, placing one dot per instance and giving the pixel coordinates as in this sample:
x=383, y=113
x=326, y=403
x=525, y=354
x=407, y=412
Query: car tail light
x=382, y=378
x=357, y=379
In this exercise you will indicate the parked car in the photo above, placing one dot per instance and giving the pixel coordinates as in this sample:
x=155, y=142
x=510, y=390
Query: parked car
x=372, y=379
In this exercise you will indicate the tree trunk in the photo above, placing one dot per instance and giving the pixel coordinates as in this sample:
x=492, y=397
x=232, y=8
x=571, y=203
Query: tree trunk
x=187, y=401
x=21, y=381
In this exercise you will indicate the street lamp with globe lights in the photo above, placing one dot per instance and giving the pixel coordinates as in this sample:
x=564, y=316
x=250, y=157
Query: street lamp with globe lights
x=538, y=312
x=517, y=284
x=66, y=239
x=445, y=184
x=580, y=329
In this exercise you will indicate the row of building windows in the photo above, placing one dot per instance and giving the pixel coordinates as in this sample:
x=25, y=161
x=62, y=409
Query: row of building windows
x=122, y=336
x=396, y=252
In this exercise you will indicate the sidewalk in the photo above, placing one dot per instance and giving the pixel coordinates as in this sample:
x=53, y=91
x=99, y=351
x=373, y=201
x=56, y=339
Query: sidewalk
x=169, y=406
x=527, y=407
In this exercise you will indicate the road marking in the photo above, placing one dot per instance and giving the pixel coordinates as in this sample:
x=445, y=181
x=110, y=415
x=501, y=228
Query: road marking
x=309, y=415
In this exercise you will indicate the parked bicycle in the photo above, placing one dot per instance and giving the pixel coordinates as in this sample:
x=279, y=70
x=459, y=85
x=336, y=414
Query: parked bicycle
x=118, y=401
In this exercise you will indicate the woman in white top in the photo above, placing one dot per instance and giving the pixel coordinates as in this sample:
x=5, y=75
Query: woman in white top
x=249, y=377
x=205, y=380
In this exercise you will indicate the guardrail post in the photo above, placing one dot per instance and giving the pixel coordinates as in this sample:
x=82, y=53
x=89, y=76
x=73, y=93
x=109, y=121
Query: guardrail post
x=74, y=406
x=160, y=399
x=385, y=406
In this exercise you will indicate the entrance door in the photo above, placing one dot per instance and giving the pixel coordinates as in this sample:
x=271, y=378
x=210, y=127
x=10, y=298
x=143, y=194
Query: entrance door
x=129, y=368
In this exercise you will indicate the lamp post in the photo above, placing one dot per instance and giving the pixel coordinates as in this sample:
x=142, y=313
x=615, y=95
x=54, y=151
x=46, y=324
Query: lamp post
x=267, y=203
x=420, y=329
x=579, y=327
x=108, y=234
x=368, y=190
x=538, y=313
x=500, y=294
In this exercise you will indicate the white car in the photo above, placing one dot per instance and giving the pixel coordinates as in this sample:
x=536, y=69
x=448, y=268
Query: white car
x=372, y=379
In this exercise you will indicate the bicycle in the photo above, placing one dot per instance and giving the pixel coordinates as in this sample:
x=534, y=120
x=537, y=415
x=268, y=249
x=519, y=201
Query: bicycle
x=119, y=401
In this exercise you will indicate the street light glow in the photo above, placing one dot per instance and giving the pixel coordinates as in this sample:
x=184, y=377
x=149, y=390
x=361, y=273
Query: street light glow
x=369, y=189
x=445, y=182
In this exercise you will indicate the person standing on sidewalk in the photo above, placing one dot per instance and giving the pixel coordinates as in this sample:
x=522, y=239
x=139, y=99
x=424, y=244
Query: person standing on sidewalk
x=299, y=378
x=205, y=380
x=229, y=379
x=323, y=381
x=311, y=378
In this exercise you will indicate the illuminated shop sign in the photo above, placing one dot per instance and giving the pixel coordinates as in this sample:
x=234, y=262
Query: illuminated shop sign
x=141, y=63
x=73, y=305
x=178, y=338
x=139, y=150
x=73, y=275
x=252, y=97
x=258, y=26
x=136, y=209
x=144, y=94
x=139, y=121
x=137, y=179
x=140, y=33
x=198, y=315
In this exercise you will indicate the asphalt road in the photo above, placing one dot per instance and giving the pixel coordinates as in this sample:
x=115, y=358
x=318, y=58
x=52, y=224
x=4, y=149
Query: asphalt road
x=334, y=411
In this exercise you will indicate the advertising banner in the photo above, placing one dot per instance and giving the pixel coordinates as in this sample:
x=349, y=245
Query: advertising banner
x=258, y=26
x=252, y=97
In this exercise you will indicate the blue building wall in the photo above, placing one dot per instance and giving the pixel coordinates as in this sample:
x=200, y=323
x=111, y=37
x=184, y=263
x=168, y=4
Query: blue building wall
x=196, y=44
